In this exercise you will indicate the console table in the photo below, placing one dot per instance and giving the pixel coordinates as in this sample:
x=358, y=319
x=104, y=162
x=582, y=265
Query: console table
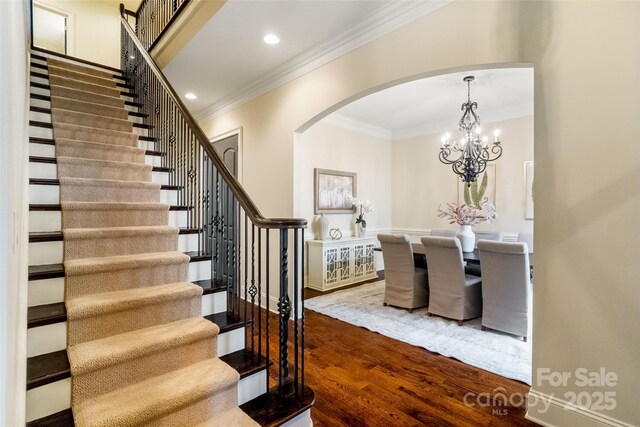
x=335, y=263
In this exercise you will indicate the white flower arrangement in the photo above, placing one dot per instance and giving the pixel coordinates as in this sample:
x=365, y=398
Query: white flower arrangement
x=362, y=207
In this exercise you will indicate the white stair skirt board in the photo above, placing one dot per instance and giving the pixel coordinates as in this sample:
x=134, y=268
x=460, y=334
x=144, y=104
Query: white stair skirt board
x=55, y=397
x=549, y=411
x=51, y=194
x=51, y=221
x=50, y=338
x=42, y=253
x=50, y=171
x=48, y=399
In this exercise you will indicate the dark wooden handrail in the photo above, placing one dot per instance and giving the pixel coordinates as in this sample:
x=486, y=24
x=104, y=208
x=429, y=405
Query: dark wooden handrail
x=236, y=188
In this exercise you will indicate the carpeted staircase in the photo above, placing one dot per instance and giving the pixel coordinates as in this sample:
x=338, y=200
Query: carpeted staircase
x=139, y=350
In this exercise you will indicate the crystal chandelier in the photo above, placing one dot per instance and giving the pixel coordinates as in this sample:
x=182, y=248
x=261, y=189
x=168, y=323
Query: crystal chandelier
x=469, y=156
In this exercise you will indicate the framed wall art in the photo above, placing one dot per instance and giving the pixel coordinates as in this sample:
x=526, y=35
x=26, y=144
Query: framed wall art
x=333, y=190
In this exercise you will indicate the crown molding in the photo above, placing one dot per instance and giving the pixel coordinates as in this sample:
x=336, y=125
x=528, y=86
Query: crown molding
x=383, y=21
x=488, y=118
x=349, y=123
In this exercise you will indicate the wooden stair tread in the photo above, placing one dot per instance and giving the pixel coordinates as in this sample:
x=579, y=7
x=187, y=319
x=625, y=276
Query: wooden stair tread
x=49, y=271
x=227, y=321
x=49, y=141
x=48, y=314
x=56, y=236
x=52, y=367
x=53, y=181
x=56, y=207
x=48, y=111
x=48, y=87
x=47, y=368
x=53, y=161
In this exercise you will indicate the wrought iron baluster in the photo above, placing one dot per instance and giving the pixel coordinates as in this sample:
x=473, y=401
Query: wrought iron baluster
x=295, y=311
x=266, y=346
x=284, y=312
x=252, y=288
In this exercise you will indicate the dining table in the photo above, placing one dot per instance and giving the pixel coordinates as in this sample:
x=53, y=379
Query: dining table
x=420, y=261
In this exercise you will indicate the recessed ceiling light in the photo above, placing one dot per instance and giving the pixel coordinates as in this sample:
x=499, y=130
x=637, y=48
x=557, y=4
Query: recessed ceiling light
x=271, y=39
x=190, y=95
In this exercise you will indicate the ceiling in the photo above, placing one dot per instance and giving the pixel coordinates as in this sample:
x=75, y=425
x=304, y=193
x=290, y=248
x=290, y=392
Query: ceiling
x=433, y=104
x=227, y=63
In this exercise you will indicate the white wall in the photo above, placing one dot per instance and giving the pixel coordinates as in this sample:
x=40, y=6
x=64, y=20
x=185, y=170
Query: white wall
x=421, y=183
x=587, y=62
x=96, y=32
x=13, y=210
x=327, y=146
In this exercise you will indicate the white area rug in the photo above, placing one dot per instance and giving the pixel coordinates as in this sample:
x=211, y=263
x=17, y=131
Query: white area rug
x=493, y=351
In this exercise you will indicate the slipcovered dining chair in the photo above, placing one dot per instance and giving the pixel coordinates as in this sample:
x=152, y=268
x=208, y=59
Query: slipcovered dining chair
x=506, y=288
x=405, y=285
x=473, y=267
x=495, y=236
x=443, y=233
x=453, y=294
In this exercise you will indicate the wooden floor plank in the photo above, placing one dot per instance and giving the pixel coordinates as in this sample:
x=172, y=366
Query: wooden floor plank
x=362, y=378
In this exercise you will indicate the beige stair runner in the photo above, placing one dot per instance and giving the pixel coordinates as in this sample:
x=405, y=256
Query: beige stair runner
x=139, y=350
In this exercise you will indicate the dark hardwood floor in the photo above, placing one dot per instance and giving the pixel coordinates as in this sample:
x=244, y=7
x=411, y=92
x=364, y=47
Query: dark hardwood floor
x=362, y=378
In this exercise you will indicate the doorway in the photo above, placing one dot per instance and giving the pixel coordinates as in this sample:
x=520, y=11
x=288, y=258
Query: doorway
x=52, y=28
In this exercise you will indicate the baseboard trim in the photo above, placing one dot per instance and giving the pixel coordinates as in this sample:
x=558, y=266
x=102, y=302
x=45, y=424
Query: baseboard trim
x=562, y=413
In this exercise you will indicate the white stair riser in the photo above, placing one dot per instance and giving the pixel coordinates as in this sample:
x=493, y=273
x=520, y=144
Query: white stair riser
x=50, y=338
x=252, y=386
x=50, y=171
x=199, y=270
x=51, y=194
x=41, y=253
x=48, y=399
x=45, y=291
x=38, y=132
x=40, y=103
x=55, y=397
x=49, y=291
x=50, y=221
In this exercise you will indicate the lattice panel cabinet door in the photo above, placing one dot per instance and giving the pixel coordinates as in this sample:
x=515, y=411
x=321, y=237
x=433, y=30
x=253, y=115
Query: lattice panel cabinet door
x=359, y=260
x=369, y=260
x=333, y=270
